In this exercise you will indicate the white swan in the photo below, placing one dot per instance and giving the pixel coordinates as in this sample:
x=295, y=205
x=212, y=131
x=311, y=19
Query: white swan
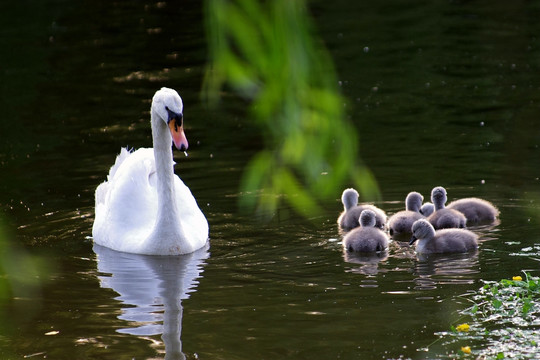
x=143, y=207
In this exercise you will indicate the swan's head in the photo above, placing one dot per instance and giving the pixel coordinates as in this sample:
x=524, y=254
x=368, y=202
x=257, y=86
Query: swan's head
x=421, y=229
x=427, y=209
x=367, y=218
x=438, y=197
x=413, y=202
x=167, y=104
x=349, y=198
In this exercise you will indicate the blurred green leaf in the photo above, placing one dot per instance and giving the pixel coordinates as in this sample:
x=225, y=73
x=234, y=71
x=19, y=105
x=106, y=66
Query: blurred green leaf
x=21, y=277
x=266, y=52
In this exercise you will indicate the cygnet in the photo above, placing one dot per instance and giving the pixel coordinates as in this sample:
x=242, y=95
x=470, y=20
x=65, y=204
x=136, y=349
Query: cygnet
x=348, y=219
x=367, y=237
x=427, y=209
x=444, y=218
x=442, y=241
x=477, y=211
x=401, y=222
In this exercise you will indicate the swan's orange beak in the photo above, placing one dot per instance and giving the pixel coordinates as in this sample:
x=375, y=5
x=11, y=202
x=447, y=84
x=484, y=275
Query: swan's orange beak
x=178, y=136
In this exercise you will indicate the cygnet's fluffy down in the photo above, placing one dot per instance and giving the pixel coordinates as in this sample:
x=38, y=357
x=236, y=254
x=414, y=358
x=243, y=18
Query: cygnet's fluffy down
x=477, y=211
x=444, y=218
x=427, y=209
x=430, y=241
x=367, y=238
x=348, y=219
x=401, y=222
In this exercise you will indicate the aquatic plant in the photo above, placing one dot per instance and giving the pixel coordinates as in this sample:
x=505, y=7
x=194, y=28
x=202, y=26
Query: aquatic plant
x=504, y=319
x=507, y=300
x=267, y=54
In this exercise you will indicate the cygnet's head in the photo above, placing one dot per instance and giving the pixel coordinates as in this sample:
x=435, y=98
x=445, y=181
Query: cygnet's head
x=421, y=229
x=438, y=197
x=167, y=104
x=349, y=198
x=413, y=202
x=367, y=218
x=427, y=209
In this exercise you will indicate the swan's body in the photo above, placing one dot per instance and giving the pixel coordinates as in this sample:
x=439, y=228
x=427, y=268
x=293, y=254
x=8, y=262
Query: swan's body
x=443, y=217
x=401, y=222
x=477, y=211
x=348, y=219
x=442, y=241
x=367, y=237
x=143, y=207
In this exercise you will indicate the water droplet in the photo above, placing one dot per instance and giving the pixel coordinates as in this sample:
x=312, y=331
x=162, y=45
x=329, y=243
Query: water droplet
x=481, y=123
x=185, y=153
x=482, y=181
x=366, y=49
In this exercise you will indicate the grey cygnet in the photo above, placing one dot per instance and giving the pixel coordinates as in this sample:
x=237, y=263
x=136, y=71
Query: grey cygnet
x=427, y=209
x=442, y=241
x=477, y=211
x=444, y=218
x=366, y=238
x=348, y=219
x=401, y=222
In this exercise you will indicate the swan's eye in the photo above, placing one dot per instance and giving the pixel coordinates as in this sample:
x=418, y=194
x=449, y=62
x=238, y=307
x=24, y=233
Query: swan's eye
x=174, y=116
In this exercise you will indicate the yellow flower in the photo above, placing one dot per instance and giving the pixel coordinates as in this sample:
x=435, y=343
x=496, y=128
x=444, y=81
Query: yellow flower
x=517, y=278
x=466, y=349
x=463, y=327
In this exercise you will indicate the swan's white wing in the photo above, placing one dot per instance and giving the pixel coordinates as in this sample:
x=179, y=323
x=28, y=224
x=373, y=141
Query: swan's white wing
x=126, y=204
x=194, y=224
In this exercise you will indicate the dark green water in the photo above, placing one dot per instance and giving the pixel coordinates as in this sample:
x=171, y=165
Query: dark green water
x=442, y=93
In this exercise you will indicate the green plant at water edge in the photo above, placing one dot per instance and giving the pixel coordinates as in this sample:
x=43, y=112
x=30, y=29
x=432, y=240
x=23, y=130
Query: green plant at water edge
x=504, y=320
x=509, y=300
x=266, y=53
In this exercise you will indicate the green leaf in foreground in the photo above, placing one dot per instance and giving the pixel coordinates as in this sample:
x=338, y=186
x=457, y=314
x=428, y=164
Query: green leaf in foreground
x=266, y=52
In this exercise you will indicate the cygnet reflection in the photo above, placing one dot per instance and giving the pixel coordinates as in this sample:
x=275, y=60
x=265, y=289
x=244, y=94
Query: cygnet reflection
x=369, y=262
x=153, y=288
x=433, y=270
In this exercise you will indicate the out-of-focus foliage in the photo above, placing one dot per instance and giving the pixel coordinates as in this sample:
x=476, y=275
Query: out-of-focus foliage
x=265, y=51
x=21, y=277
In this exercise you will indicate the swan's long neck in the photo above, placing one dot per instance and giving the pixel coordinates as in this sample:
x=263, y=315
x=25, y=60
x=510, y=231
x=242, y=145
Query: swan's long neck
x=167, y=227
x=438, y=202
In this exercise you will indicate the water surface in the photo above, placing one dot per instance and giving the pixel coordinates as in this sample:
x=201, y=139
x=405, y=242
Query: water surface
x=442, y=93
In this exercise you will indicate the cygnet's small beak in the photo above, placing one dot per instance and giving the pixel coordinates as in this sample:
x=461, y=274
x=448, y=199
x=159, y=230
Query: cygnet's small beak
x=413, y=239
x=177, y=133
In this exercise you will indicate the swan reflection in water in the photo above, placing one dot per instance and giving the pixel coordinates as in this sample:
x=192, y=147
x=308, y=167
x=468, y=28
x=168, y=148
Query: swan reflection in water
x=369, y=262
x=156, y=286
x=433, y=270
